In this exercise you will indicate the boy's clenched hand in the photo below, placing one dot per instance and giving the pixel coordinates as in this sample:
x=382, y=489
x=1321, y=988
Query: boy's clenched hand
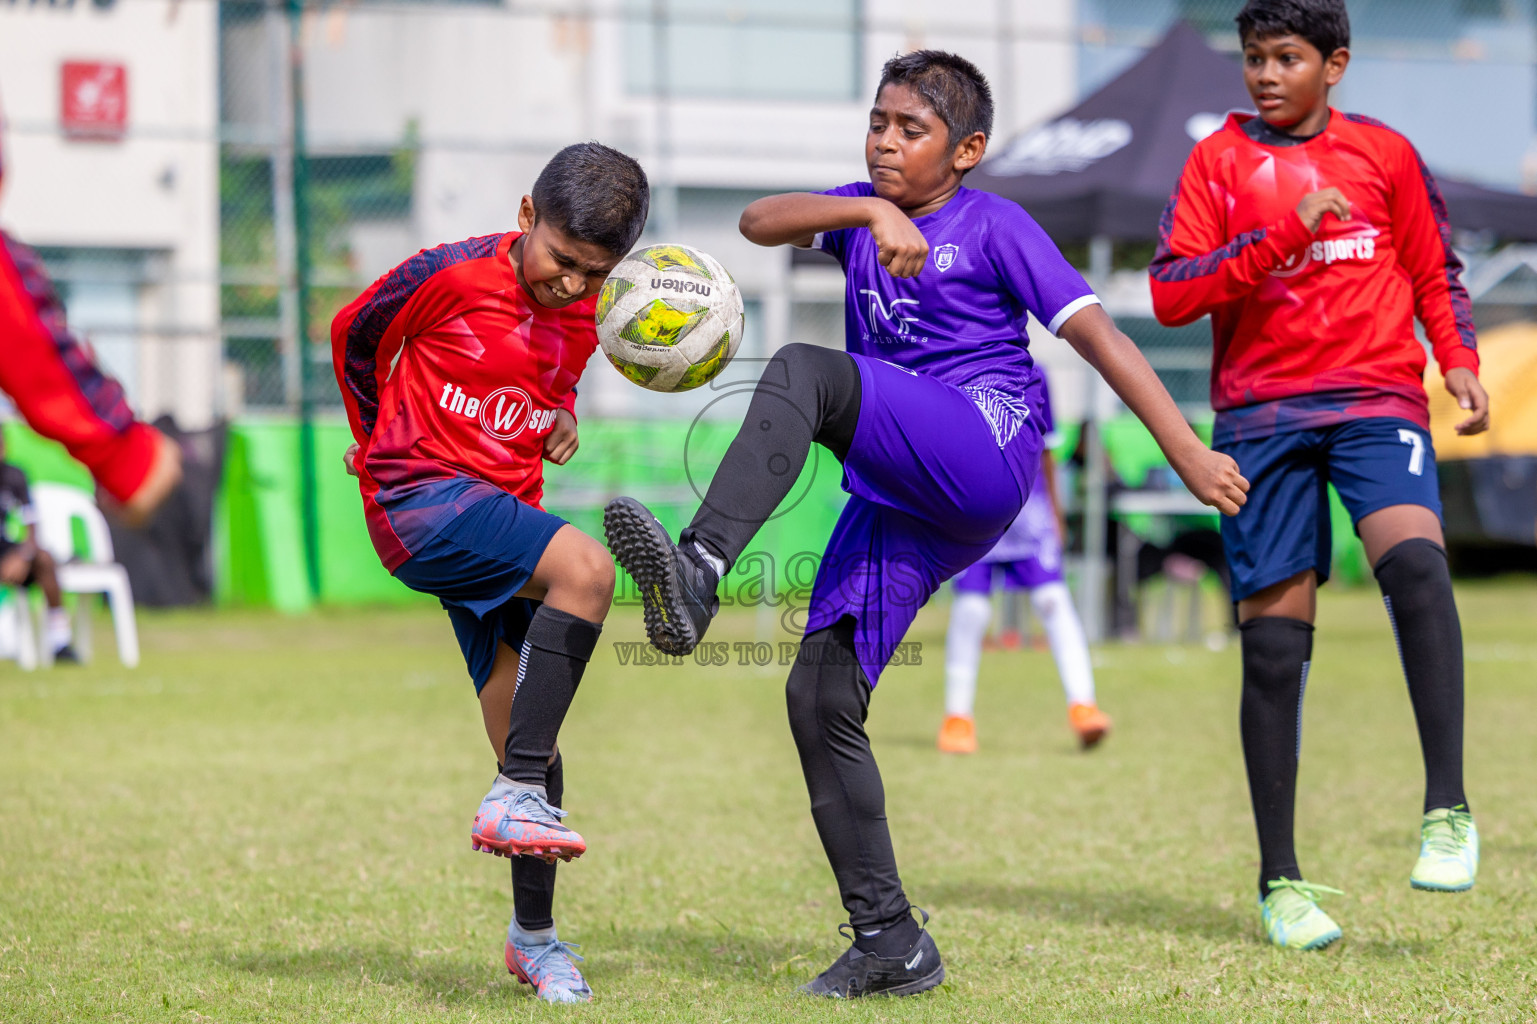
x=1214, y=478
x=903, y=249
x=350, y=459
x=560, y=443
x=1326, y=200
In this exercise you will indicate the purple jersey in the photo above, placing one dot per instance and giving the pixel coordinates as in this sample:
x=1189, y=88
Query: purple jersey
x=963, y=318
x=950, y=423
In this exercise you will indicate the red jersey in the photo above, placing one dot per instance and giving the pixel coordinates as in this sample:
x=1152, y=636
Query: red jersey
x=451, y=377
x=1312, y=328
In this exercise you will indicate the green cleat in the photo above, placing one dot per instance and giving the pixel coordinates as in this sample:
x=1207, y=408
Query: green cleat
x=1448, y=851
x=1292, y=918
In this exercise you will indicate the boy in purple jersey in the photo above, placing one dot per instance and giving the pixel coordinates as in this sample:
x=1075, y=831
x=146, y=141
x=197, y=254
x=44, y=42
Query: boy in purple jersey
x=933, y=412
x=1028, y=557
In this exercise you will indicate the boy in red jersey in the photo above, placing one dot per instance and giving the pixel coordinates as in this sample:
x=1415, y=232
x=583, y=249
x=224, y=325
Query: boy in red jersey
x=459, y=370
x=1314, y=238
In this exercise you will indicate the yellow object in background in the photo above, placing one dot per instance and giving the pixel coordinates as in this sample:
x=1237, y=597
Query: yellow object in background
x=1508, y=371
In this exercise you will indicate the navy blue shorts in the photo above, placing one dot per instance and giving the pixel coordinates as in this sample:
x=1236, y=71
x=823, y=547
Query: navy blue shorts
x=1284, y=527
x=475, y=565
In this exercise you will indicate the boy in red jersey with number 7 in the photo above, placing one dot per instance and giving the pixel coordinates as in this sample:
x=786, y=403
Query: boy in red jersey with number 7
x=1314, y=238
x=459, y=371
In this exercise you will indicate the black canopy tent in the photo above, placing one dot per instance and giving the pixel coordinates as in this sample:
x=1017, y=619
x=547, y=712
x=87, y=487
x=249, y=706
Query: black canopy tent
x=1106, y=167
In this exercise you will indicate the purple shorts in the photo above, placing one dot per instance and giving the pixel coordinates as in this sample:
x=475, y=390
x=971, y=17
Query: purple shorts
x=931, y=489
x=1022, y=575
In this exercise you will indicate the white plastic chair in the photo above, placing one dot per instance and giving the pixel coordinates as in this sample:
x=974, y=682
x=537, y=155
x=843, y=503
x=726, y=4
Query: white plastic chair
x=94, y=572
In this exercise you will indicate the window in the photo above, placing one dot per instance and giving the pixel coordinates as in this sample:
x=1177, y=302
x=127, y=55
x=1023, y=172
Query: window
x=104, y=293
x=743, y=49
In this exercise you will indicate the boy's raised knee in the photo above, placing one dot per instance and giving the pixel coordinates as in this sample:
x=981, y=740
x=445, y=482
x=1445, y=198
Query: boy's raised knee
x=595, y=573
x=579, y=576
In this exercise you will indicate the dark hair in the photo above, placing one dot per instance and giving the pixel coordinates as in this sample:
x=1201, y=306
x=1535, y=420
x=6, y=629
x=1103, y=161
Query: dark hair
x=951, y=86
x=594, y=194
x=1323, y=23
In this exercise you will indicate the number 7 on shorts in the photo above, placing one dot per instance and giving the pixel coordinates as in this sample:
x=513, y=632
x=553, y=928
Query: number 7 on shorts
x=1416, y=442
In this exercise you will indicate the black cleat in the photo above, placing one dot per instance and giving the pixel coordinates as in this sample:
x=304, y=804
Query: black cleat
x=66, y=656
x=856, y=974
x=677, y=588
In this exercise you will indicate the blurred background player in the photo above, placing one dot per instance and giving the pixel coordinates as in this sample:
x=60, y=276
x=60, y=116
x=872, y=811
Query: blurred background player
x=459, y=370
x=1027, y=558
x=24, y=564
x=58, y=389
x=934, y=412
x=1314, y=238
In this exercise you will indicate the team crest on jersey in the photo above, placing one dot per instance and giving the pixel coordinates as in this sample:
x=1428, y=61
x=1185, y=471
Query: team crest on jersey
x=944, y=256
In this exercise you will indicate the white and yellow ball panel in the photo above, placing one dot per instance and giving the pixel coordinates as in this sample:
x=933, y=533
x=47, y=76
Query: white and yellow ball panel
x=669, y=317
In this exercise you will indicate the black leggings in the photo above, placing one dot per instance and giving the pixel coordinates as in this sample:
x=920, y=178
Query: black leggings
x=807, y=394
x=828, y=698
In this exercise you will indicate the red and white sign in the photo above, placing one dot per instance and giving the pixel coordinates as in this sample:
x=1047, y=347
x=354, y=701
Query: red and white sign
x=94, y=100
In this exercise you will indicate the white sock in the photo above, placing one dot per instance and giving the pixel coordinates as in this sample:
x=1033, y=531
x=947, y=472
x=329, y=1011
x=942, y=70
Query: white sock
x=516, y=934
x=59, y=633
x=715, y=561
x=969, y=615
x=1053, y=605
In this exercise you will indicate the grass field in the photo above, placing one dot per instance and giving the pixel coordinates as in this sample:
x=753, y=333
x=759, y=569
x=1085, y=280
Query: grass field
x=268, y=822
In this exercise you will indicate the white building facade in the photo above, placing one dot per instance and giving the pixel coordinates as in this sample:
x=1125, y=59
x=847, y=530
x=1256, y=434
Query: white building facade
x=111, y=172
x=721, y=102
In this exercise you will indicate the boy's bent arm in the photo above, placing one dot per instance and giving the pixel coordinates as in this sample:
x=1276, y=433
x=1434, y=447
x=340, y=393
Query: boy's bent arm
x=796, y=218
x=1211, y=476
x=1197, y=268
x=356, y=338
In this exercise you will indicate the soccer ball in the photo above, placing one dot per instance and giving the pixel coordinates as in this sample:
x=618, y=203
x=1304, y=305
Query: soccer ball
x=669, y=317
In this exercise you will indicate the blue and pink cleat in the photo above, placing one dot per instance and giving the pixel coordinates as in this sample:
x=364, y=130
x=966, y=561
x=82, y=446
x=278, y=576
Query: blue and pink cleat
x=548, y=965
x=516, y=820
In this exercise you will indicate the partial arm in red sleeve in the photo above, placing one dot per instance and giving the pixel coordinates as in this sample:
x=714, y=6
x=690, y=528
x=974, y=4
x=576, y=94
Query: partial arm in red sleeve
x=1197, y=268
x=358, y=349
x=1422, y=236
x=62, y=394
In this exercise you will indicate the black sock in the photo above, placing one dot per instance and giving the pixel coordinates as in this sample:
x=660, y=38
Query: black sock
x=1276, y=655
x=828, y=700
x=808, y=394
x=533, y=881
x=1417, y=589
x=555, y=652
x=893, y=940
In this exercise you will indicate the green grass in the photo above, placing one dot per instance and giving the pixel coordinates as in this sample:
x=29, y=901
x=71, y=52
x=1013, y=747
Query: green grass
x=268, y=822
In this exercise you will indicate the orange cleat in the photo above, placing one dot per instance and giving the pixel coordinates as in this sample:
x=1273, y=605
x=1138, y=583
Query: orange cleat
x=1089, y=722
x=958, y=735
